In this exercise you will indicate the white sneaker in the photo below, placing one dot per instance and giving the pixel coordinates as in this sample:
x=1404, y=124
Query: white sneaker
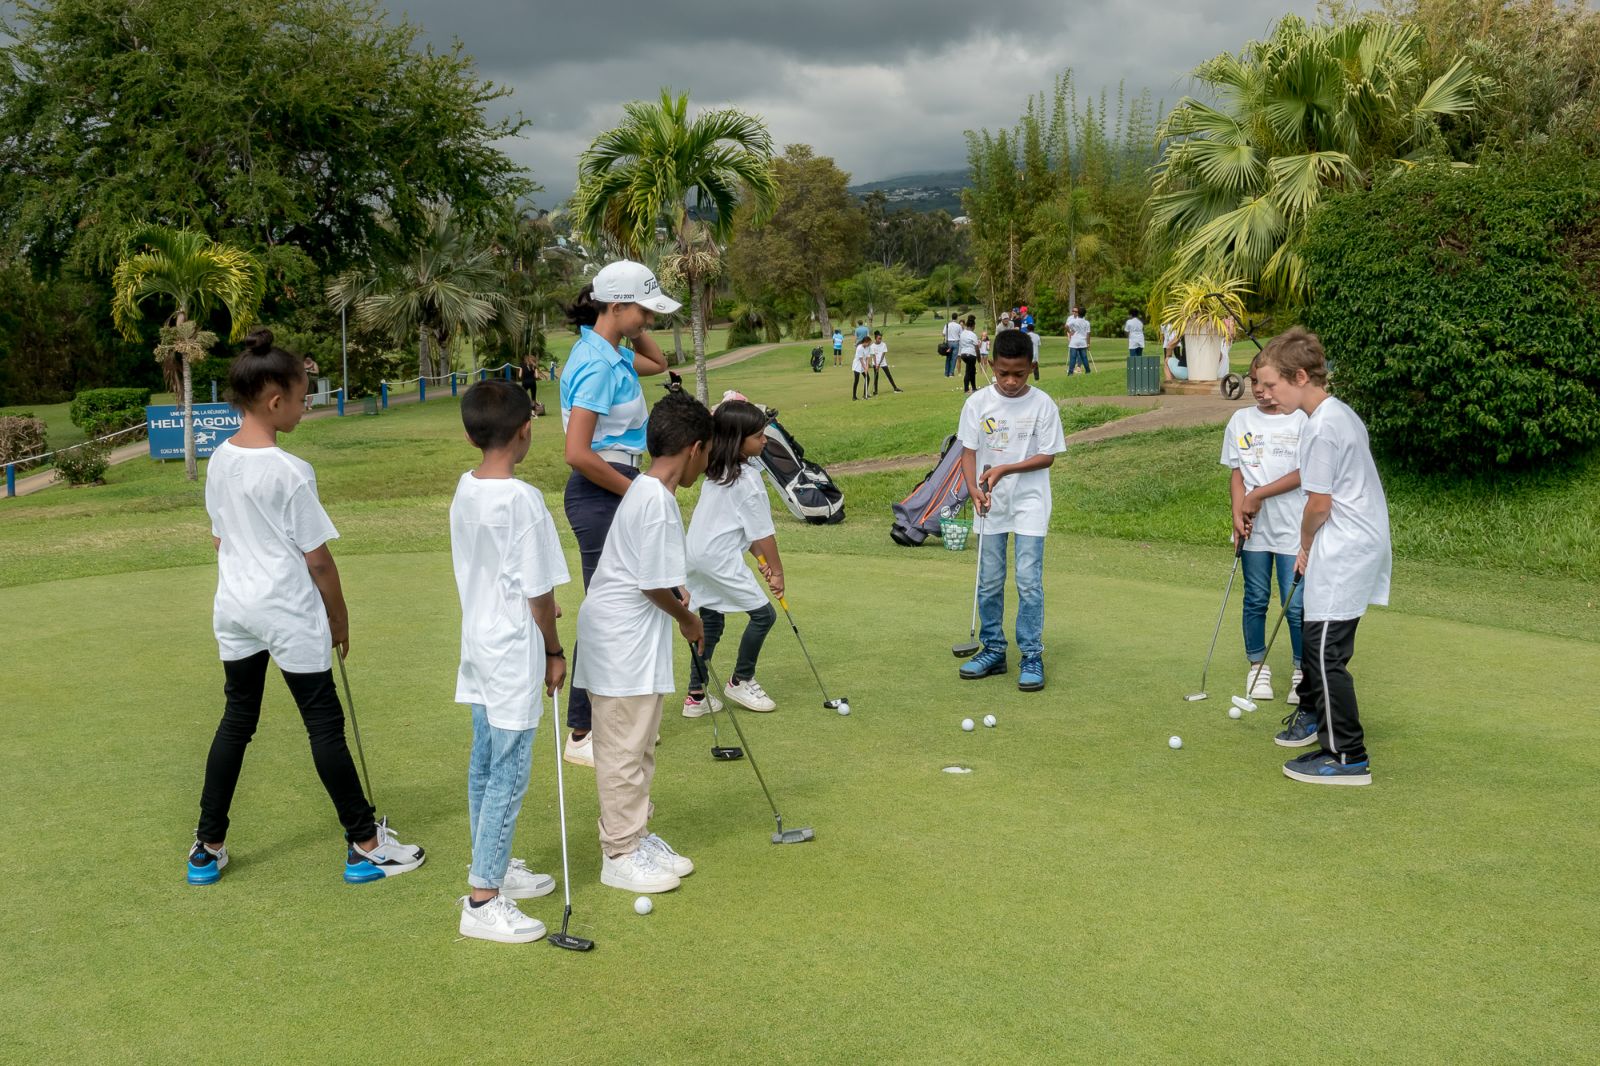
x=1293, y=698
x=389, y=859
x=665, y=857
x=749, y=695
x=580, y=752
x=636, y=871
x=693, y=708
x=498, y=920
x=1259, y=683
x=522, y=883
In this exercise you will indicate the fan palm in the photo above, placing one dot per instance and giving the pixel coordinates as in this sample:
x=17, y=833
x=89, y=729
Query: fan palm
x=1312, y=109
x=660, y=170
x=196, y=276
x=1069, y=239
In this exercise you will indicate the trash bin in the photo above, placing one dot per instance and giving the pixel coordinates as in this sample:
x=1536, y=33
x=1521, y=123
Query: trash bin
x=1144, y=375
x=369, y=405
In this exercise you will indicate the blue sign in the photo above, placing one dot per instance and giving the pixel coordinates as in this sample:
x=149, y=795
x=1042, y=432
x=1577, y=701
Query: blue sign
x=213, y=424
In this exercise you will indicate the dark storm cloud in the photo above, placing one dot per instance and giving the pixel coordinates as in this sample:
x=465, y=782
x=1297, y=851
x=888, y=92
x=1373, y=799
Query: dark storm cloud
x=886, y=88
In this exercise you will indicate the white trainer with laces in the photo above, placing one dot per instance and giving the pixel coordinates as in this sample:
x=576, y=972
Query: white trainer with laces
x=665, y=857
x=580, y=752
x=637, y=871
x=1293, y=698
x=498, y=920
x=1259, y=681
x=693, y=708
x=749, y=695
x=389, y=859
x=523, y=883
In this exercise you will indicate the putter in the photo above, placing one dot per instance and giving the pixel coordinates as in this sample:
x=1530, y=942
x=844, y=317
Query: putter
x=718, y=752
x=355, y=729
x=1238, y=554
x=782, y=836
x=563, y=939
x=1245, y=703
x=972, y=646
x=831, y=705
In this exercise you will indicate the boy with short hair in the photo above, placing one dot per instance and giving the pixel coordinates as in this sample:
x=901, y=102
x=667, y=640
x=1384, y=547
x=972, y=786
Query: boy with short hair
x=1344, y=557
x=507, y=564
x=625, y=631
x=1080, y=332
x=1010, y=433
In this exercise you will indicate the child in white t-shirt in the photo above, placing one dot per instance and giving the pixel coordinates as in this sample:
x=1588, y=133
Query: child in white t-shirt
x=732, y=517
x=1079, y=334
x=1134, y=328
x=880, y=361
x=1011, y=433
x=861, y=370
x=279, y=599
x=1262, y=447
x=1344, y=558
x=625, y=644
x=507, y=564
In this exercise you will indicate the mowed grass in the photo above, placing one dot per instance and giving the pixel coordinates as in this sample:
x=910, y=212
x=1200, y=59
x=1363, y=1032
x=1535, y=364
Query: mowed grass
x=1086, y=894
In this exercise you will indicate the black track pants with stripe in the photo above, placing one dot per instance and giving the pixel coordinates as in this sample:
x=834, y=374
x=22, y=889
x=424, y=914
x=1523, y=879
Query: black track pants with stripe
x=1329, y=692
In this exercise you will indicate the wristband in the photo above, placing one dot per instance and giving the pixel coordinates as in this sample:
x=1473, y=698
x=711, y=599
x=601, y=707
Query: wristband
x=559, y=653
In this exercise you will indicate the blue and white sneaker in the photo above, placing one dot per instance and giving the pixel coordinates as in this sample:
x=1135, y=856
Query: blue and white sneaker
x=1030, y=675
x=1320, y=768
x=1299, y=729
x=205, y=865
x=987, y=662
x=389, y=859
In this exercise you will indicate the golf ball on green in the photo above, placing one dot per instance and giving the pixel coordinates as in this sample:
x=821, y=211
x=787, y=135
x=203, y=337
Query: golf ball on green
x=988, y=720
x=966, y=725
x=1233, y=712
x=844, y=708
x=1174, y=743
x=642, y=905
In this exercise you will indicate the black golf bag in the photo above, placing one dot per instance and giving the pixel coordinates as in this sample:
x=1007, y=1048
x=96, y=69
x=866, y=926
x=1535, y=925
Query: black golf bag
x=816, y=360
x=942, y=491
x=806, y=488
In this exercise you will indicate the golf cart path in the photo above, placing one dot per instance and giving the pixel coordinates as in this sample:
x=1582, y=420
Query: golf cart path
x=1155, y=412
x=739, y=355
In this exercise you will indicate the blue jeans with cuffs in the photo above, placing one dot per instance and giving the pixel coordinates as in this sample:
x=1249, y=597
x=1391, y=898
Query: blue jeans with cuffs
x=1030, y=593
x=1257, y=567
x=497, y=779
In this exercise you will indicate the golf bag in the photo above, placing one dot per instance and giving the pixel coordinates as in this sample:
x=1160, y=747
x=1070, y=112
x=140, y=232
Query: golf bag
x=816, y=360
x=806, y=488
x=942, y=491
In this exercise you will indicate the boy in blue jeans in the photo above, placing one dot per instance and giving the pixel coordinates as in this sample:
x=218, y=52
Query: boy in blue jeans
x=1010, y=433
x=507, y=565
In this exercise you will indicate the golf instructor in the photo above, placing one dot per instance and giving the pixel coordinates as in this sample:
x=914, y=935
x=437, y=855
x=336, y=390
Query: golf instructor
x=604, y=414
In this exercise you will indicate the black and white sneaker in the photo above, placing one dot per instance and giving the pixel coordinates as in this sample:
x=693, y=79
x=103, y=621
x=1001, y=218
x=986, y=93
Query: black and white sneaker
x=389, y=859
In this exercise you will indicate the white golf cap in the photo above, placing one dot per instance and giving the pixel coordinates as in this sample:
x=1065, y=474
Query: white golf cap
x=627, y=282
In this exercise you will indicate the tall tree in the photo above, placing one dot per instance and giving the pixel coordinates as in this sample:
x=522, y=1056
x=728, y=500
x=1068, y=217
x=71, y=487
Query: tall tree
x=813, y=238
x=660, y=169
x=196, y=276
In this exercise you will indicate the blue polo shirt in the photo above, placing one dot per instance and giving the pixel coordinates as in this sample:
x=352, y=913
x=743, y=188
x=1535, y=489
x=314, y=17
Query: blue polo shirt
x=862, y=333
x=602, y=379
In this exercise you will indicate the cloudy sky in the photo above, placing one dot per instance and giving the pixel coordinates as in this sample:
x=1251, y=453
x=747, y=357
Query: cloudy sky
x=886, y=87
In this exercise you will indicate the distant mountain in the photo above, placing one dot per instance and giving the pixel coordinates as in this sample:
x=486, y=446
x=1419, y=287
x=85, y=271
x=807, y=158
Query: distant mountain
x=920, y=192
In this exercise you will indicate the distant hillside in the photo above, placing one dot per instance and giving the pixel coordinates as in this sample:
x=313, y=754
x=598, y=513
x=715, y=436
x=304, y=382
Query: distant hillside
x=920, y=192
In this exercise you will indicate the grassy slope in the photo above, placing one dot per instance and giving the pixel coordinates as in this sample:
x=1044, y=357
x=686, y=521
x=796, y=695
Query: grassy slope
x=1085, y=895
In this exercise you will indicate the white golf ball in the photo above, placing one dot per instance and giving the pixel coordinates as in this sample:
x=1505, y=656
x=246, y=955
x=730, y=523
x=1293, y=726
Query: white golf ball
x=1233, y=712
x=844, y=708
x=966, y=724
x=642, y=905
x=1174, y=742
x=988, y=720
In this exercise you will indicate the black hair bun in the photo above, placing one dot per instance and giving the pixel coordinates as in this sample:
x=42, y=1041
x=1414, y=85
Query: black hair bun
x=259, y=342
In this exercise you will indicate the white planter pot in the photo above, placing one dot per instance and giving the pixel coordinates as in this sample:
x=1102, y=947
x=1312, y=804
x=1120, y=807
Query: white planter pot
x=1203, y=348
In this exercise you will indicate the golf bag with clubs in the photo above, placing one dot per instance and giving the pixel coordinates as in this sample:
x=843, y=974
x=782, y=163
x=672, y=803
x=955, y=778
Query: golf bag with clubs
x=806, y=488
x=816, y=360
x=942, y=491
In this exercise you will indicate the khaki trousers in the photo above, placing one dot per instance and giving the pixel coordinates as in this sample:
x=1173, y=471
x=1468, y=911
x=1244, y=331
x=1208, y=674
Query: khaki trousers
x=624, y=729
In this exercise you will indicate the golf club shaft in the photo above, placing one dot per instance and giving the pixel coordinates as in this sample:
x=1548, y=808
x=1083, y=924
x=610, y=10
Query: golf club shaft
x=561, y=806
x=705, y=671
x=784, y=603
x=1294, y=587
x=355, y=728
x=1238, y=554
x=977, y=577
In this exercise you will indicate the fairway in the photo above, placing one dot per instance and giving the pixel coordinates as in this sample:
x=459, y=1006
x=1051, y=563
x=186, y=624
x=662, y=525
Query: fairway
x=1086, y=894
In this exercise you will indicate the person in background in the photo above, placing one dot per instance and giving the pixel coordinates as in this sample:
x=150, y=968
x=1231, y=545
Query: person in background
x=1079, y=332
x=880, y=361
x=968, y=346
x=530, y=381
x=1038, y=341
x=838, y=347
x=952, y=343
x=1134, y=328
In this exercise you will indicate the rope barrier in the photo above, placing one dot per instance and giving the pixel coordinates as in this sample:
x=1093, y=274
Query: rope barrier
x=72, y=447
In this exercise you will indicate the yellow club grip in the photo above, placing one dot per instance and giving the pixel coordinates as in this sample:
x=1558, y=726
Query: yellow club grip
x=762, y=559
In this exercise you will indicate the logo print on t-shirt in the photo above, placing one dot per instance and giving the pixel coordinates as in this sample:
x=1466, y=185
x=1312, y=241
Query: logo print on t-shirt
x=1247, y=441
x=988, y=425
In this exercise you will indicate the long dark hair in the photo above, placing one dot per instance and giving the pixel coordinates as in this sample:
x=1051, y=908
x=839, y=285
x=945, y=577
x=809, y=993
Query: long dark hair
x=732, y=422
x=585, y=310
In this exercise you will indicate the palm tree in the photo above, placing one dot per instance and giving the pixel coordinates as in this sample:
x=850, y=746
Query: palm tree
x=197, y=276
x=452, y=284
x=1069, y=240
x=660, y=170
x=1313, y=108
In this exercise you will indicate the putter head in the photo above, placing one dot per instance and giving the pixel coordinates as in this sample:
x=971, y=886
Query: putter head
x=794, y=836
x=569, y=942
x=727, y=754
x=833, y=705
x=1195, y=697
x=965, y=651
x=1244, y=704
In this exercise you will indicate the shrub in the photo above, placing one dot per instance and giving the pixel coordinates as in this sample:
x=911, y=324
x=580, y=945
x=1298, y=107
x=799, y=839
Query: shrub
x=911, y=310
x=21, y=435
x=1461, y=310
x=100, y=411
x=743, y=332
x=85, y=464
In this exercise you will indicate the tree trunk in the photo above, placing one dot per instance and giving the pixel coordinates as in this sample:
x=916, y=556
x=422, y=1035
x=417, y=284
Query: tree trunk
x=819, y=296
x=422, y=352
x=697, y=328
x=189, y=466
x=677, y=341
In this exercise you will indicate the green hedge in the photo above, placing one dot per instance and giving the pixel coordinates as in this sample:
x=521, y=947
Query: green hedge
x=1461, y=310
x=97, y=411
